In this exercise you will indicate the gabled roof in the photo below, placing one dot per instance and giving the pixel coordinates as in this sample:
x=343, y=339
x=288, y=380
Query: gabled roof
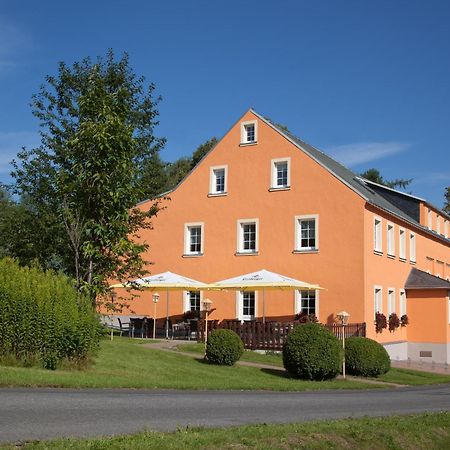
x=353, y=181
x=418, y=279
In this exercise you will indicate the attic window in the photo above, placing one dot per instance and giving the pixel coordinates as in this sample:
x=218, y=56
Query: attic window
x=249, y=132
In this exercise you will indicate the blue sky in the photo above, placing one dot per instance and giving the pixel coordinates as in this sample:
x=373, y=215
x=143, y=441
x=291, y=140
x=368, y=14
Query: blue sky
x=366, y=81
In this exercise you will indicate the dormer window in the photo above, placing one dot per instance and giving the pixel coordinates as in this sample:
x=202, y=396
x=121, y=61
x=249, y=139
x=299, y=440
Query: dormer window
x=249, y=132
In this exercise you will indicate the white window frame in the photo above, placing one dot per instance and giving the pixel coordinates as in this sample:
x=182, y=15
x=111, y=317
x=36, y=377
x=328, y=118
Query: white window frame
x=187, y=300
x=187, y=238
x=391, y=301
x=402, y=243
x=377, y=234
x=240, y=237
x=430, y=219
x=273, y=173
x=298, y=302
x=438, y=224
x=446, y=228
x=240, y=306
x=402, y=302
x=377, y=303
x=412, y=247
x=244, y=125
x=390, y=235
x=213, y=180
x=297, y=229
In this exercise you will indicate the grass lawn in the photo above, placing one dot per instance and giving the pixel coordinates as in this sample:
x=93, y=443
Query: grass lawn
x=414, y=377
x=398, y=376
x=430, y=431
x=124, y=363
x=271, y=359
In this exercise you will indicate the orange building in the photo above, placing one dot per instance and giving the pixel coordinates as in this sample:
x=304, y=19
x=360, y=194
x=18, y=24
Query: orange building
x=264, y=199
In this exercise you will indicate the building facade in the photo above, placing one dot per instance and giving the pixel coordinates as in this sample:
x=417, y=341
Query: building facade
x=263, y=199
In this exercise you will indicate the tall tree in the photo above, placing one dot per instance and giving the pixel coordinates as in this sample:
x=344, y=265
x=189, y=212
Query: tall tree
x=375, y=176
x=97, y=134
x=447, y=200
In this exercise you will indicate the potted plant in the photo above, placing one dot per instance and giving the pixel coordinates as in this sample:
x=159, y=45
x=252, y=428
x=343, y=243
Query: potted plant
x=404, y=320
x=394, y=322
x=380, y=322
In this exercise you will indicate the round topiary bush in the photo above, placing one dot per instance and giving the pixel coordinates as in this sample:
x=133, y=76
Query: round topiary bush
x=224, y=347
x=312, y=352
x=365, y=357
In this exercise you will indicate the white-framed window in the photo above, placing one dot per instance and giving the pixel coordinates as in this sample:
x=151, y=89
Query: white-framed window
x=390, y=239
x=402, y=243
x=446, y=228
x=307, y=302
x=249, y=132
x=438, y=224
x=377, y=234
x=412, y=247
x=218, y=180
x=402, y=302
x=246, y=305
x=247, y=239
x=377, y=299
x=430, y=219
x=307, y=232
x=192, y=300
x=193, y=238
x=391, y=301
x=280, y=173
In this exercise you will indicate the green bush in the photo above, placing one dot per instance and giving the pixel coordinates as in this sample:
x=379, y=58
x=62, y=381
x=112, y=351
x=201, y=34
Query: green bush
x=43, y=318
x=365, y=357
x=312, y=352
x=224, y=347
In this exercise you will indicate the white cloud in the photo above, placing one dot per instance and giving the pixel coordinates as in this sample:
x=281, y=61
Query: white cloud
x=12, y=41
x=433, y=178
x=11, y=143
x=363, y=152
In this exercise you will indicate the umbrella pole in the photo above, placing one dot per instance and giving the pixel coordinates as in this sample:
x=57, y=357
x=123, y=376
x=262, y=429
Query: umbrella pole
x=264, y=306
x=167, y=314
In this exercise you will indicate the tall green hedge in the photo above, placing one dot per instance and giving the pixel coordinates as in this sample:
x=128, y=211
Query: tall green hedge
x=43, y=317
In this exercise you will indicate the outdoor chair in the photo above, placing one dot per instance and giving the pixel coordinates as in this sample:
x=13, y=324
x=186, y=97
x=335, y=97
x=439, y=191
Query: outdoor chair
x=138, y=327
x=124, y=327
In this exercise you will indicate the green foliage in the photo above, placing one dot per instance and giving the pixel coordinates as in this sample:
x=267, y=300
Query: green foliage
x=97, y=121
x=43, y=317
x=365, y=357
x=224, y=347
x=375, y=176
x=446, y=206
x=312, y=352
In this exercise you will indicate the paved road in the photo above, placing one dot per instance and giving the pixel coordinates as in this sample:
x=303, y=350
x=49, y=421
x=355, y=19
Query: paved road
x=48, y=413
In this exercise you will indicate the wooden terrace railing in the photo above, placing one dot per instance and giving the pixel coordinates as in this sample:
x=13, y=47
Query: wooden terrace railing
x=272, y=335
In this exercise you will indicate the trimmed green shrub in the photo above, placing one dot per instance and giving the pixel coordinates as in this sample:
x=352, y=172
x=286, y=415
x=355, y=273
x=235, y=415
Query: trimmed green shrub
x=365, y=357
x=43, y=317
x=224, y=347
x=312, y=352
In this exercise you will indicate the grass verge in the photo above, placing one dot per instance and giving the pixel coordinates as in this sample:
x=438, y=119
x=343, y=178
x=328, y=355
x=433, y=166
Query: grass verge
x=414, y=377
x=123, y=363
x=430, y=431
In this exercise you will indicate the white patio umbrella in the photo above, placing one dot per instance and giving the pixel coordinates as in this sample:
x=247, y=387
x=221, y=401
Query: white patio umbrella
x=168, y=281
x=261, y=281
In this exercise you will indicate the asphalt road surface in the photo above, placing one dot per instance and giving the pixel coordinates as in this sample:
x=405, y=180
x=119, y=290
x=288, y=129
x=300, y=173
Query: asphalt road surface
x=28, y=414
